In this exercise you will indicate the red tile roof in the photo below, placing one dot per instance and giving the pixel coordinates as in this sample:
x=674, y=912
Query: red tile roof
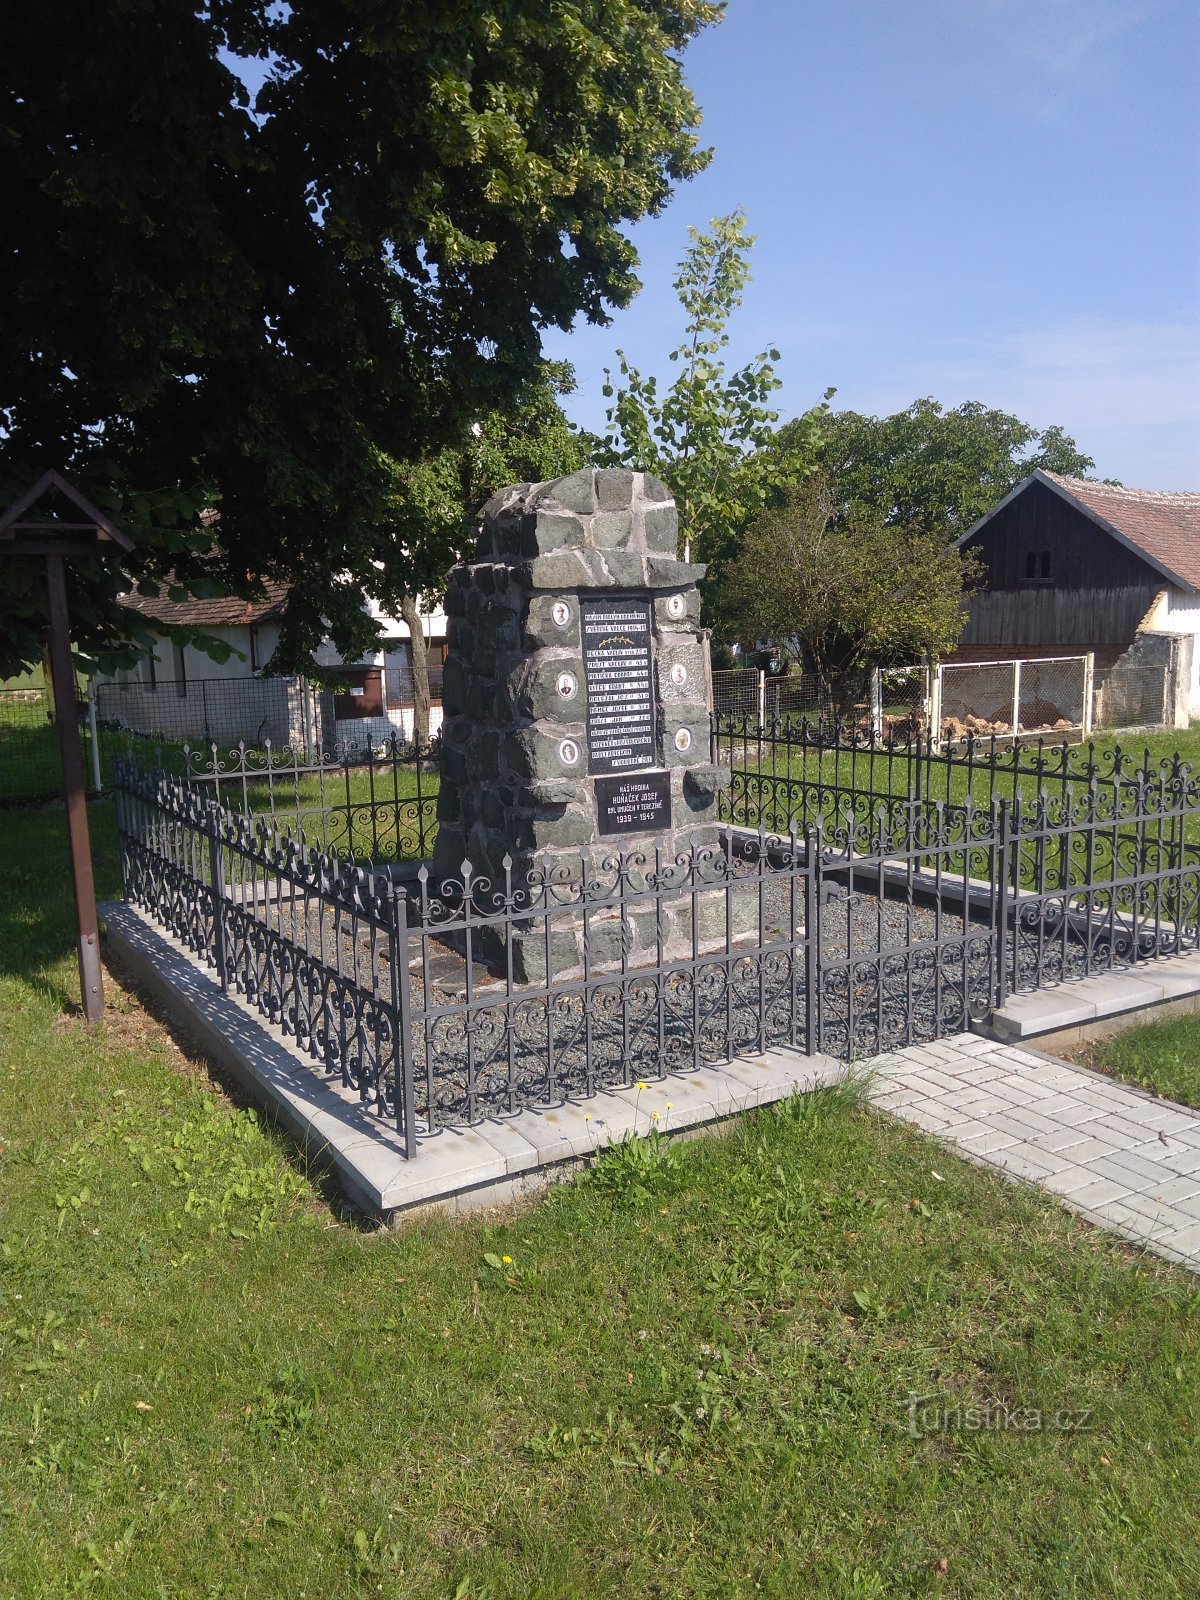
x=226, y=612
x=1164, y=526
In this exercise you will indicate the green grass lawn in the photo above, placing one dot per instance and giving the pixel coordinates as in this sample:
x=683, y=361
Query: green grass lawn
x=1163, y=1057
x=692, y=1378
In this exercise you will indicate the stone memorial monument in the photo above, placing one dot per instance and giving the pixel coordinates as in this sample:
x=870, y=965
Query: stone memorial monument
x=576, y=692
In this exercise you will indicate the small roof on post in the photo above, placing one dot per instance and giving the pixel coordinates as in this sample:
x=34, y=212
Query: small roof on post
x=20, y=536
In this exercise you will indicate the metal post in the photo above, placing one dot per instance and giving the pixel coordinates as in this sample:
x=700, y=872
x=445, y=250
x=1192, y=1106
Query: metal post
x=216, y=864
x=933, y=679
x=62, y=676
x=1016, y=705
x=762, y=696
x=1000, y=918
x=876, y=702
x=812, y=937
x=94, y=735
x=1089, y=689
x=402, y=1014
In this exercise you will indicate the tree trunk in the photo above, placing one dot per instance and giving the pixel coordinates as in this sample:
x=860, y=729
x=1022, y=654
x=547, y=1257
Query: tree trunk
x=420, y=669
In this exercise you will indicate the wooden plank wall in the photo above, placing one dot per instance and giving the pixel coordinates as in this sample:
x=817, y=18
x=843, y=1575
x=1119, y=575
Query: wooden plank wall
x=1087, y=618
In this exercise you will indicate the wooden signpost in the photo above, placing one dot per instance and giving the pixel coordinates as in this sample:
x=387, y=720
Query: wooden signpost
x=57, y=539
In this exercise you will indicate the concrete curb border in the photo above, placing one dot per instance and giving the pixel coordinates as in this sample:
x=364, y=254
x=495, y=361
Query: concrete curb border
x=454, y=1169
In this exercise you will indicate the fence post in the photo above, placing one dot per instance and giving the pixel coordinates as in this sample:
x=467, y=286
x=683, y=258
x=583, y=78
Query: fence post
x=875, y=697
x=1089, y=688
x=94, y=735
x=812, y=937
x=216, y=869
x=933, y=700
x=762, y=696
x=402, y=1013
x=1000, y=900
x=1016, y=705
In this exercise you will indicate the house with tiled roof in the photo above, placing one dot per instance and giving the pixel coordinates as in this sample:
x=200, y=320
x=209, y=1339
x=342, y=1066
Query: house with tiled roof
x=1074, y=567
x=181, y=692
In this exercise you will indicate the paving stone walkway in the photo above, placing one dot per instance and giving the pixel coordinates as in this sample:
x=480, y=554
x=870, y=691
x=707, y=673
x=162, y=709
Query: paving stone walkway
x=1116, y=1155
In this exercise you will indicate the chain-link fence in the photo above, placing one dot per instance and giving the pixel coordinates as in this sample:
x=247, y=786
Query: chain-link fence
x=1133, y=697
x=373, y=709
x=30, y=764
x=738, y=692
x=1009, y=698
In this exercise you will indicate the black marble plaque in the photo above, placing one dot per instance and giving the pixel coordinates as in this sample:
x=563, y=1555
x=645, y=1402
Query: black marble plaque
x=637, y=803
x=620, y=684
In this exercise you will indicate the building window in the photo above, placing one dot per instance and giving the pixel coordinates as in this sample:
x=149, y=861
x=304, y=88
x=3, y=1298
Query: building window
x=255, y=652
x=180, y=672
x=149, y=673
x=1039, y=566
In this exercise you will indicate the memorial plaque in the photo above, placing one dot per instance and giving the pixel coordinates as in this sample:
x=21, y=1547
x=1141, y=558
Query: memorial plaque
x=637, y=803
x=620, y=685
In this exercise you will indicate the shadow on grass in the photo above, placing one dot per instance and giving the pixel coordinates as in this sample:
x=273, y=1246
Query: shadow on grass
x=37, y=907
x=196, y=1064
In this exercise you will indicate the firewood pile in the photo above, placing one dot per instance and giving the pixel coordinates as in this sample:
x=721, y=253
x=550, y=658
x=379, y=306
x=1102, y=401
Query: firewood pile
x=1040, y=716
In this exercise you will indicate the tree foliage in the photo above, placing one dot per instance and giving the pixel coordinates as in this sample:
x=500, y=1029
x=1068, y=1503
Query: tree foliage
x=264, y=305
x=434, y=501
x=934, y=469
x=843, y=593
x=705, y=434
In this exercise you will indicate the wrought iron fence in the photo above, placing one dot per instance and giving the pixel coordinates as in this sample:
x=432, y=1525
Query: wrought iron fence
x=882, y=914
x=308, y=940
x=371, y=802
x=785, y=773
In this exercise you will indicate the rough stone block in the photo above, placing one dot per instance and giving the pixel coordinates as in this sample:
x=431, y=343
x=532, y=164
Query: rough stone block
x=680, y=666
x=543, y=628
x=654, y=489
x=551, y=689
x=577, y=492
x=614, y=489
x=529, y=955
x=565, y=569
x=537, y=753
x=667, y=622
x=497, y=628
x=553, y=792
x=661, y=525
x=543, y=532
x=664, y=573
x=454, y=687
x=552, y=829
x=705, y=781
x=483, y=755
x=612, y=530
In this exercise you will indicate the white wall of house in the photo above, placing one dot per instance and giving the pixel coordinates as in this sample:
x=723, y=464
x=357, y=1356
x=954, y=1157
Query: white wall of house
x=1177, y=611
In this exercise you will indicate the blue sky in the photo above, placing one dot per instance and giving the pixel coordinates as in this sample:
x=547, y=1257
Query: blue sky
x=993, y=200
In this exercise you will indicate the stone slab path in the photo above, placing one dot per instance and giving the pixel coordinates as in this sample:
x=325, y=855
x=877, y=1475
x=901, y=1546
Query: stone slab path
x=1118, y=1156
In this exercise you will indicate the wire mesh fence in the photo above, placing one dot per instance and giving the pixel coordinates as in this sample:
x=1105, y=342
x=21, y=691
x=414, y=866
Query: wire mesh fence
x=1133, y=697
x=737, y=692
x=30, y=764
x=1008, y=698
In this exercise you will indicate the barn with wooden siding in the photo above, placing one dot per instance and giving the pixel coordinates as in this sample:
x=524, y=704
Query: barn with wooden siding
x=1073, y=566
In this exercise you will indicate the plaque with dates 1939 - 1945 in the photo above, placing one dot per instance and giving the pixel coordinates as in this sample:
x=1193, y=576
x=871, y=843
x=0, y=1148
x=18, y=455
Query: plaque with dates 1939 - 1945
x=620, y=686
x=635, y=802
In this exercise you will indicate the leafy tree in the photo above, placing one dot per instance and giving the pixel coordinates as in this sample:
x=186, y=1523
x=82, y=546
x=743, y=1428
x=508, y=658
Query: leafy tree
x=704, y=435
x=264, y=304
x=934, y=469
x=435, y=501
x=844, y=593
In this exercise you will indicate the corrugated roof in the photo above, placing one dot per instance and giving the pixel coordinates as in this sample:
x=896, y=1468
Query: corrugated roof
x=1164, y=525
x=227, y=612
